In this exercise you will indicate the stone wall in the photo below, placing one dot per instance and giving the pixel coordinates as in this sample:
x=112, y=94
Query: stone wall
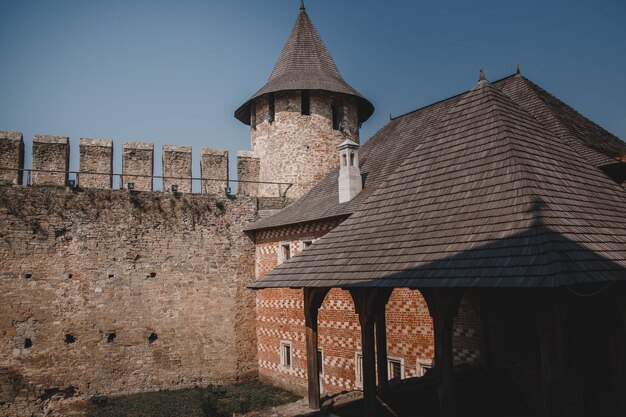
x=11, y=157
x=299, y=149
x=138, y=165
x=51, y=160
x=96, y=157
x=280, y=319
x=177, y=168
x=113, y=291
x=214, y=168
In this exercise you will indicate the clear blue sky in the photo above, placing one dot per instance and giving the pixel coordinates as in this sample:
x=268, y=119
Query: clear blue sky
x=173, y=72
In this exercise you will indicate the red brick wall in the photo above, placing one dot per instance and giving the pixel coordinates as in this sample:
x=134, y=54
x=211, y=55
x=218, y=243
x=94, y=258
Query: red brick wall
x=280, y=317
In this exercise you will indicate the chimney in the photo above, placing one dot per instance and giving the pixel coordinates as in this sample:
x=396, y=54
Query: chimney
x=350, y=183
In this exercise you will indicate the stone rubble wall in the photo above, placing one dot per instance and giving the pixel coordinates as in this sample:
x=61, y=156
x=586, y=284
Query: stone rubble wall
x=114, y=291
x=11, y=157
x=299, y=149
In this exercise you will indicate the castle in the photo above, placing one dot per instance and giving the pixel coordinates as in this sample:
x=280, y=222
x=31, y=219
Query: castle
x=136, y=290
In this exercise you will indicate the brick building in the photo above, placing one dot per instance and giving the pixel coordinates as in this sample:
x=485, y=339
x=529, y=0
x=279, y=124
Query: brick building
x=437, y=189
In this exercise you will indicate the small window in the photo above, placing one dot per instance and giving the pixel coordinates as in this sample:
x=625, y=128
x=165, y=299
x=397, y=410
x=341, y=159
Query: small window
x=395, y=368
x=351, y=159
x=286, y=352
x=424, y=366
x=305, y=102
x=253, y=115
x=358, y=369
x=284, y=253
x=337, y=111
x=320, y=362
x=305, y=243
x=345, y=160
x=272, y=108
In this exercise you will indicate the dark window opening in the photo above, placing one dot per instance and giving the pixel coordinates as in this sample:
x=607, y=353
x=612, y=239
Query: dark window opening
x=28, y=343
x=28, y=275
x=152, y=338
x=320, y=362
x=253, y=115
x=111, y=337
x=337, y=111
x=69, y=339
x=151, y=275
x=305, y=102
x=345, y=160
x=272, y=108
x=395, y=369
x=351, y=159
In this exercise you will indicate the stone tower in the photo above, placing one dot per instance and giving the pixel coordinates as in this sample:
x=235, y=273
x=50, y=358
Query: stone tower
x=304, y=111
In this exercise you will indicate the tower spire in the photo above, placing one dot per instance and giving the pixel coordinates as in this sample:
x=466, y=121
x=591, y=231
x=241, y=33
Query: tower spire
x=302, y=5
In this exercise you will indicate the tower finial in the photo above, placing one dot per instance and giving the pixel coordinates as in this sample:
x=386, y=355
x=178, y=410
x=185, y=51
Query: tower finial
x=517, y=70
x=302, y=5
x=481, y=75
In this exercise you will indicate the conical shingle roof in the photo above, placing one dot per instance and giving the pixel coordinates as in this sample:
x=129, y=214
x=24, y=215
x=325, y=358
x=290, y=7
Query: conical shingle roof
x=490, y=198
x=305, y=64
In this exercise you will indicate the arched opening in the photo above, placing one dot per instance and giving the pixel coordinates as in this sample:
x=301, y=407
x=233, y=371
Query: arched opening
x=351, y=159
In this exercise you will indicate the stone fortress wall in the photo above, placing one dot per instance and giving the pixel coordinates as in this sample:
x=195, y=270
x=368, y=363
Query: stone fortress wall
x=113, y=290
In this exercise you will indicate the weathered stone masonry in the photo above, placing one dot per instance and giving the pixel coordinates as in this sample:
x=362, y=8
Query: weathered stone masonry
x=87, y=277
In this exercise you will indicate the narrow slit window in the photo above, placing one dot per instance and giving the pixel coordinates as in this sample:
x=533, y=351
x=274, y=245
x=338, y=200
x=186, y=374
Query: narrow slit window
x=358, y=369
x=284, y=252
x=320, y=362
x=337, y=111
x=305, y=102
x=253, y=115
x=286, y=352
x=345, y=160
x=272, y=108
x=351, y=159
x=395, y=368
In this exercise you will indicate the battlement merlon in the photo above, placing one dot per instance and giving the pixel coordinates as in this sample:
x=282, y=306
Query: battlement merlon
x=248, y=169
x=177, y=168
x=11, y=157
x=51, y=160
x=214, y=170
x=96, y=157
x=137, y=165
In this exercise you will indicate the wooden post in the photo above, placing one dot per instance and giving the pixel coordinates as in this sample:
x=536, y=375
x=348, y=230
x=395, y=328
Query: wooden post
x=381, y=351
x=618, y=338
x=443, y=305
x=367, y=302
x=550, y=322
x=313, y=299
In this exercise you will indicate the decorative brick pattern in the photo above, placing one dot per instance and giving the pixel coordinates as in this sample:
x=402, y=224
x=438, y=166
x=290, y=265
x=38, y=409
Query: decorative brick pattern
x=280, y=316
x=96, y=156
x=11, y=157
x=177, y=168
x=51, y=160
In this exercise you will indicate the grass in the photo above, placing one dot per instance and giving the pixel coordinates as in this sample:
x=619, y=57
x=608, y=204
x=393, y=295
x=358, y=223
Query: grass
x=197, y=402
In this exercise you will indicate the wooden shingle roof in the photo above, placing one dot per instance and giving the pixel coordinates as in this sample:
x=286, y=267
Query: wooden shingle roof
x=386, y=149
x=489, y=197
x=305, y=64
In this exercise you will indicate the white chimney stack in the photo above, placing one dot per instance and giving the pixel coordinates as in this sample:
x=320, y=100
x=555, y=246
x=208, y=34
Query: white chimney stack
x=350, y=183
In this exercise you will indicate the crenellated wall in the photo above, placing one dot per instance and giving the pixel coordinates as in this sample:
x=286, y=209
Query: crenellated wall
x=51, y=155
x=115, y=291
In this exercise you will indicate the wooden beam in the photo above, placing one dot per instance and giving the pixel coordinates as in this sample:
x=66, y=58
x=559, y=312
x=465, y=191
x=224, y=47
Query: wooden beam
x=443, y=305
x=550, y=323
x=381, y=351
x=367, y=302
x=313, y=299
